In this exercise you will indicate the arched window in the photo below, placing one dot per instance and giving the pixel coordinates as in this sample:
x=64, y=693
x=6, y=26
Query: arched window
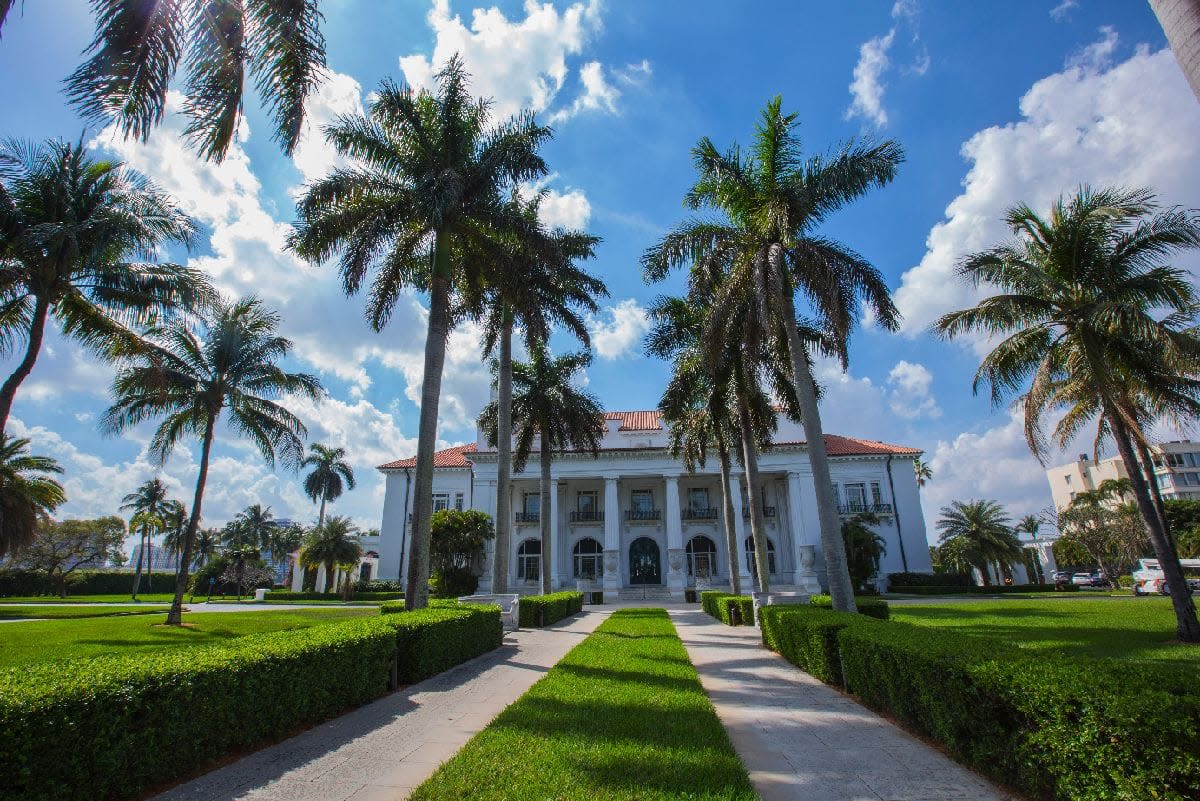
x=589, y=559
x=701, y=557
x=750, y=556
x=529, y=560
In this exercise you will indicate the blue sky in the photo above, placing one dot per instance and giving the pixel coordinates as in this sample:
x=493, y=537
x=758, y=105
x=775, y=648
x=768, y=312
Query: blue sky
x=994, y=104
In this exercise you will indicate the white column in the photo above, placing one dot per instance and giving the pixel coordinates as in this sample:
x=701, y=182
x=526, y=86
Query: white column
x=739, y=528
x=488, y=501
x=555, y=544
x=674, y=526
x=612, y=539
x=297, y=572
x=805, y=548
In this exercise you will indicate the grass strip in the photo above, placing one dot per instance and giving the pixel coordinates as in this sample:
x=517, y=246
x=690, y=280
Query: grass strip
x=622, y=716
x=123, y=598
x=68, y=611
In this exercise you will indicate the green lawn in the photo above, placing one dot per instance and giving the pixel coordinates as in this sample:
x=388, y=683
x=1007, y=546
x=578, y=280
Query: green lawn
x=53, y=640
x=59, y=611
x=1130, y=629
x=144, y=598
x=621, y=717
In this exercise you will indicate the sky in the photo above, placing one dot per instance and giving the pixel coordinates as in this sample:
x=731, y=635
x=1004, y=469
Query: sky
x=994, y=103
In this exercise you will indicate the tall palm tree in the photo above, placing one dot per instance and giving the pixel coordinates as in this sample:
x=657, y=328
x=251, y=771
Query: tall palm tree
x=768, y=207
x=27, y=492
x=923, y=472
x=148, y=505
x=77, y=240
x=536, y=286
x=549, y=408
x=331, y=475
x=331, y=545
x=421, y=205
x=1180, y=20
x=205, y=547
x=257, y=525
x=192, y=378
x=1090, y=320
x=140, y=44
x=145, y=525
x=986, y=537
x=174, y=527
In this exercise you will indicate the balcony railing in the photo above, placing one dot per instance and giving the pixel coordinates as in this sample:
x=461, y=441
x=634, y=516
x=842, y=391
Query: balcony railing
x=587, y=516
x=767, y=511
x=527, y=517
x=701, y=514
x=865, y=508
x=643, y=514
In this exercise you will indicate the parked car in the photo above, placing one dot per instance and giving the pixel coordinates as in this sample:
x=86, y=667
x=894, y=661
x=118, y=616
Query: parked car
x=1149, y=579
x=1099, y=579
x=1062, y=577
x=1082, y=579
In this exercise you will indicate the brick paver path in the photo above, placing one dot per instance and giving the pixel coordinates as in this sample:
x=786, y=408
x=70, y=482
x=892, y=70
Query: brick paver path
x=381, y=751
x=804, y=741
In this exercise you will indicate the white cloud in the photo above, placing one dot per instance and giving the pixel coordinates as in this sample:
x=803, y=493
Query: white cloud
x=598, y=94
x=622, y=332
x=866, y=90
x=1063, y=10
x=1132, y=125
x=634, y=74
x=337, y=95
x=910, y=395
x=1097, y=55
x=569, y=209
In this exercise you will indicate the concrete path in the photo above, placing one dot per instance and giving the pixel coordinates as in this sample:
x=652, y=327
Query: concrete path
x=381, y=751
x=804, y=741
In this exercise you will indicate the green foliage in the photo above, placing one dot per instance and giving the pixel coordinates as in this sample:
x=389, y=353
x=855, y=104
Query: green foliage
x=807, y=637
x=1051, y=727
x=535, y=611
x=869, y=606
x=86, y=732
x=288, y=595
x=24, y=583
x=732, y=610
x=456, y=546
x=621, y=717
x=929, y=579
x=28, y=490
x=864, y=547
x=453, y=583
x=378, y=585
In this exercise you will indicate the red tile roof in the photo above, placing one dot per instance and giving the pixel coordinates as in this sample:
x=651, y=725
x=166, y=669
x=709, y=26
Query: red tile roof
x=837, y=445
x=637, y=421
x=450, y=457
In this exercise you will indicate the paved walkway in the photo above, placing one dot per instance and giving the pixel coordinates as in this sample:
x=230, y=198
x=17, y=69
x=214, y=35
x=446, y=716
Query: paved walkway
x=804, y=741
x=381, y=751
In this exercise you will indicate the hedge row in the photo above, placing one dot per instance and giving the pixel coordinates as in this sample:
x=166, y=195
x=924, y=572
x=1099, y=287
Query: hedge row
x=542, y=610
x=1052, y=727
x=115, y=726
x=867, y=605
x=930, y=580
x=85, y=582
x=732, y=610
x=288, y=595
x=995, y=589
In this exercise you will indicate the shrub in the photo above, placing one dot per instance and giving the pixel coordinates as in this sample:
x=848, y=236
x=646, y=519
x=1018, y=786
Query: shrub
x=1052, y=727
x=287, y=595
x=542, y=610
x=871, y=607
x=85, y=582
x=453, y=582
x=378, y=585
x=596, y=598
x=929, y=580
x=732, y=610
x=807, y=637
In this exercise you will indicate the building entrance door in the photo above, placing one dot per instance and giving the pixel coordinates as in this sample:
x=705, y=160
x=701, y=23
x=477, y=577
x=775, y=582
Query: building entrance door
x=644, y=567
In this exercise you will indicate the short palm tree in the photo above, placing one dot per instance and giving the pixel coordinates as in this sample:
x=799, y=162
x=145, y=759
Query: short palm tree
x=139, y=45
x=1029, y=524
x=148, y=505
x=536, y=285
x=146, y=526
x=257, y=524
x=205, y=547
x=768, y=208
x=421, y=205
x=983, y=529
x=77, y=242
x=549, y=409
x=332, y=545
x=923, y=472
x=1091, y=321
x=27, y=492
x=331, y=475
x=229, y=367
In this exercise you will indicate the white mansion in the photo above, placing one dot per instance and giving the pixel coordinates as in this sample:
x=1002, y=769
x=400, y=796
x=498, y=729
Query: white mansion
x=633, y=522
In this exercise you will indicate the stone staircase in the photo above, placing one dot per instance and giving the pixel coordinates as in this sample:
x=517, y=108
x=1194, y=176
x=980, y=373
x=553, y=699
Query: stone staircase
x=651, y=595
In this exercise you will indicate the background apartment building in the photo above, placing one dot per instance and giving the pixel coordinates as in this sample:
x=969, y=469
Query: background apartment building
x=1176, y=469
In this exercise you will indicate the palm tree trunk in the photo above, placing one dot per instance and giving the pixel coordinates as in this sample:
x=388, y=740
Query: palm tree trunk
x=503, y=459
x=329, y=568
x=731, y=543
x=1180, y=20
x=1152, y=482
x=544, y=514
x=321, y=514
x=37, y=331
x=137, y=574
x=416, y=594
x=175, y=616
x=757, y=534
x=1187, y=628
x=836, y=570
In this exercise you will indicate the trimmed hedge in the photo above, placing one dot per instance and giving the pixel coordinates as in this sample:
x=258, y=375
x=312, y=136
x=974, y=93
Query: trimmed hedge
x=114, y=726
x=995, y=589
x=867, y=605
x=929, y=580
x=807, y=637
x=85, y=582
x=1050, y=726
x=287, y=595
x=732, y=610
x=535, y=611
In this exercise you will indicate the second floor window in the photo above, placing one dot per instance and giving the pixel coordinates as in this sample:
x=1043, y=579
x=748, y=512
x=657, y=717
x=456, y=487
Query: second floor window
x=585, y=504
x=698, y=499
x=441, y=500
x=531, y=503
x=856, y=496
x=641, y=501
x=458, y=501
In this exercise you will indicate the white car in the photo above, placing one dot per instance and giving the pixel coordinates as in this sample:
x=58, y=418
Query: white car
x=1149, y=578
x=1082, y=579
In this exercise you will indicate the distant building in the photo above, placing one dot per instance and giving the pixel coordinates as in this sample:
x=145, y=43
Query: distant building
x=1082, y=475
x=1176, y=470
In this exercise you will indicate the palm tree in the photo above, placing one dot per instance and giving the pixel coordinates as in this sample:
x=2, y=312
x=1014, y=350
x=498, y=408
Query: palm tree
x=139, y=45
x=1029, y=524
x=285, y=540
x=1180, y=20
x=923, y=472
x=27, y=492
x=421, y=203
x=548, y=407
x=325, y=482
x=205, y=547
x=174, y=527
x=148, y=503
x=191, y=378
x=984, y=532
x=332, y=545
x=536, y=286
x=1081, y=292
x=76, y=240
x=256, y=525
x=769, y=205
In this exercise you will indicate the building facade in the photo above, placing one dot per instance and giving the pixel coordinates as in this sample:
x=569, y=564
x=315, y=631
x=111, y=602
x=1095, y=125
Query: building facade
x=634, y=523
x=1176, y=471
